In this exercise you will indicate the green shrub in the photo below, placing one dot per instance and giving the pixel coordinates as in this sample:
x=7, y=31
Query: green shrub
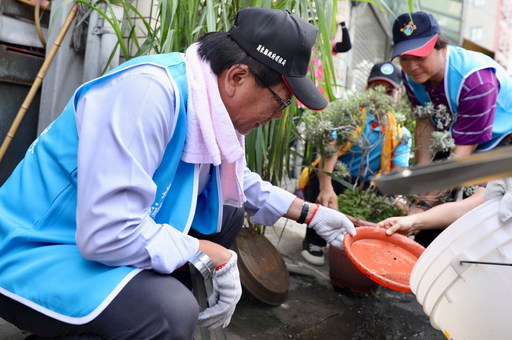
x=366, y=204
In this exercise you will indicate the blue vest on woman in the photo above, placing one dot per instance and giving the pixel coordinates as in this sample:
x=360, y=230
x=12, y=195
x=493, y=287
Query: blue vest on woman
x=460, y=64
x=40, y=263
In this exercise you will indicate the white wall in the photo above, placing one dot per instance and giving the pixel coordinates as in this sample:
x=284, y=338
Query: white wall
x=70, y=69
x=65, y=71
x=481, y=14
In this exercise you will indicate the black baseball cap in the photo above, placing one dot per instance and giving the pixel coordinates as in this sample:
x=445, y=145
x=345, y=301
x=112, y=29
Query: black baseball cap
x=388, y=72
x=283, y=42
x=415, y=34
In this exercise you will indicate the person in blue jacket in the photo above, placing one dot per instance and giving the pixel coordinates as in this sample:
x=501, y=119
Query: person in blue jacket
x=383, y=145
x=144, y=168
x=475, y=89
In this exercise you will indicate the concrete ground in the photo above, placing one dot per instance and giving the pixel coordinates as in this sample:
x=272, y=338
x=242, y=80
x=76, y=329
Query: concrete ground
x=314, y=308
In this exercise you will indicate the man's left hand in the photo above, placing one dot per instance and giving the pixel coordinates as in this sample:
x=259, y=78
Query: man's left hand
x=226, y=282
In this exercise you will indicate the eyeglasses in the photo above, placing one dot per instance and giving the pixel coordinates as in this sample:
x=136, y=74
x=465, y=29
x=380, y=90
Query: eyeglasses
x=284, y=103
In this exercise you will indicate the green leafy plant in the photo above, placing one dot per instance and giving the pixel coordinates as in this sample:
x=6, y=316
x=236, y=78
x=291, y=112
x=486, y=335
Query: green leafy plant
x=333, y=127
x=441, y=139
x=366, y=204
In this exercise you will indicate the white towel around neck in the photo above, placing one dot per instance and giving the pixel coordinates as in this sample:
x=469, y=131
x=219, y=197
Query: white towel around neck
x=211, y=136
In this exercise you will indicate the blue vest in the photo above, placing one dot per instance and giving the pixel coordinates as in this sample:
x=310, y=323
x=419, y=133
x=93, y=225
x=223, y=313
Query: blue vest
x=369, y=150
x=40, y=262
x=460, y=64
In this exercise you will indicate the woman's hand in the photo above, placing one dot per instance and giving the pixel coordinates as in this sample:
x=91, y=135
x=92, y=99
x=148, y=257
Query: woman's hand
x=405, y=225
x=328, y=198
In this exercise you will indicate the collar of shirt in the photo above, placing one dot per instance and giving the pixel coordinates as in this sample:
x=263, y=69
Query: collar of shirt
x=372, y=123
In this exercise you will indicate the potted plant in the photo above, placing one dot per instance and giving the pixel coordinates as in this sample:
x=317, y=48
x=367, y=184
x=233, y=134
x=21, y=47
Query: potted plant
x=340, y=126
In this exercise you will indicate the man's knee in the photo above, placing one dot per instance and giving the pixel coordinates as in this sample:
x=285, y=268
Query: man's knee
x=152, y=306
x=173, y=318
x=181, y=322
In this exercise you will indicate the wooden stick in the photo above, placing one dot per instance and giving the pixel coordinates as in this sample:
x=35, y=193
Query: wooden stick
x=37, y=82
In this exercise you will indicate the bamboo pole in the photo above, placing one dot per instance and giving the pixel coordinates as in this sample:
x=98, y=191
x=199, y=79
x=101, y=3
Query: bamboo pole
x=37, y=82
x=37, y=21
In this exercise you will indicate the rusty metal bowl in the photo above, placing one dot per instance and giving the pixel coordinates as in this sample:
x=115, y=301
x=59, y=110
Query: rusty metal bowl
x=262, y=269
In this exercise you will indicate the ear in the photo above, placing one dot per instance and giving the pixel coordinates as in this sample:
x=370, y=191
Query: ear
x=233, y=78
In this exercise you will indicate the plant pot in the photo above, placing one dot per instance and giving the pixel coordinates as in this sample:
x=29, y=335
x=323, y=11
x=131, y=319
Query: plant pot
x=344, y=274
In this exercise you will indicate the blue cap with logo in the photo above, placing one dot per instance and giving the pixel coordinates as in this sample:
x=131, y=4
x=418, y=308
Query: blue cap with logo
x=415, y=34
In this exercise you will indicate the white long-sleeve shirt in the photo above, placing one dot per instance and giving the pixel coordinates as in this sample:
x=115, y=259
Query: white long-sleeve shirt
x=124, y=126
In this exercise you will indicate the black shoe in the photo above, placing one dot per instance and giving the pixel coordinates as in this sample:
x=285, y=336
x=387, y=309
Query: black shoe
x=313, y=253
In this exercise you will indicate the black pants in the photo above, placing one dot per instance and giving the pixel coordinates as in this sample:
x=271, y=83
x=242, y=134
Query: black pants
x=150, y=306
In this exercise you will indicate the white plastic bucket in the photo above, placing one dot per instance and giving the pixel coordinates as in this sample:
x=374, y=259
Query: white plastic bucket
x=468, y=301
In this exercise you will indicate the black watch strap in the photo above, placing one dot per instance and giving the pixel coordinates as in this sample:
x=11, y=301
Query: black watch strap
x=303, y=213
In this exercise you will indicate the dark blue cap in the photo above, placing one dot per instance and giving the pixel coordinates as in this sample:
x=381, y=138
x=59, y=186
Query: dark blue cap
x=387, y=72
x=415, y=34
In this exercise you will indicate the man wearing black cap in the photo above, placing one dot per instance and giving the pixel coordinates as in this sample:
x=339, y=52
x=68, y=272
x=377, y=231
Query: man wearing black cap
x=381, y=148
x=145, y=168
x=474, y=87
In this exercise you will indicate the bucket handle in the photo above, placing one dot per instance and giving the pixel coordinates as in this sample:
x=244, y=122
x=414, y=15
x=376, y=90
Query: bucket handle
x=486, y=263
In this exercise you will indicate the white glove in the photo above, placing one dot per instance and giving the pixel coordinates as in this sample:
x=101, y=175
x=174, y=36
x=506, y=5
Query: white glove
x=226, y=283
x=332, y=226
x=501, y=188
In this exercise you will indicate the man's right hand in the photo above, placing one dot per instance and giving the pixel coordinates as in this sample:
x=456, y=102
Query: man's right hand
x=332, y=226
